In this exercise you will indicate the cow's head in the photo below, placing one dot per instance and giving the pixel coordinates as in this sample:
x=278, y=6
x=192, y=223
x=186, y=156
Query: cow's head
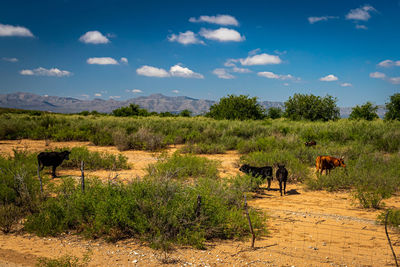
x=244, y=168
x=341, y=162
x=281, y=166
x=66, y=154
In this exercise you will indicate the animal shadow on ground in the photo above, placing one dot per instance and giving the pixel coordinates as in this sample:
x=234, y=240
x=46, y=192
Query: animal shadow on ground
x=292, y=192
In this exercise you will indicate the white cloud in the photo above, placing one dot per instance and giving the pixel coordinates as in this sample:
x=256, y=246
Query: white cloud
x=10, y=30
x=346, y=84
x=362, y=27
x=94, y=37
x=136, y=91
x=389, y=63
x=254, y=52
x=222, y=35
x=271, y=75
x=313, y=20
x=185, y=38
x=223, y=74
x=219, y=19
x=394, y=80
x=123, y=60
x=102, y=61
x=175, y=91
x=377, y=75
x=329, y=78
x=97, y=94
x=240, y=70
x=114, y=96
x=261, y=59
x=46, y=72
x=150, y=71
x=179, y=71
x=231, y=62
x=175, y=71
x=361, y=13
x=10, y=59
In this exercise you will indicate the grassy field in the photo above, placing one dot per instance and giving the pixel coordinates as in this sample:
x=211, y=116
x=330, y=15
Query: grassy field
x=370, y=150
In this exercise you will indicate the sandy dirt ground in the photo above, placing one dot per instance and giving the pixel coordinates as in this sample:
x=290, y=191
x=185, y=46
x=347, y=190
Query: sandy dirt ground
x=305, y=228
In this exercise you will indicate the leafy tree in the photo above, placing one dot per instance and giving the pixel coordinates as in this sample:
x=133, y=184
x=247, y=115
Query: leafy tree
x=131, y=110
x=311, y=107
x=185, y=113
x=274, y=113
x=393, y=108
x=234, y=107
x=366, y=112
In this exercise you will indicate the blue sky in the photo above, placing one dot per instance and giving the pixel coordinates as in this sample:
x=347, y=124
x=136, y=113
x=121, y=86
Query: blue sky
x=202, y=49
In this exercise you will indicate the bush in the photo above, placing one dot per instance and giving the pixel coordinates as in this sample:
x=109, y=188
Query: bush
x=64, y=261
x=365, y=112
x=393, y=108
x=311, y=107
x=393, y=218
x=235, y=107
x=94, y=160
x=203, y=148
x=9, y=215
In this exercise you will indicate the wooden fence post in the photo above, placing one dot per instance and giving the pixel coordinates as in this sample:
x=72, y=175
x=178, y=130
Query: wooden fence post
x=83, y=175
x=250, y=225
x=387, y=235
x=40, y=179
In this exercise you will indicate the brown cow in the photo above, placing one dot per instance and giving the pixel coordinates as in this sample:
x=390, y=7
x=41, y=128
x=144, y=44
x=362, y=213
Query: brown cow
x=327, y=163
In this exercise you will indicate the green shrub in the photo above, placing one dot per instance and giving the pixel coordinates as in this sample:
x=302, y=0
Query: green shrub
x=9, y=215
x=393, y=219
x=94, y=160
x=64, y=261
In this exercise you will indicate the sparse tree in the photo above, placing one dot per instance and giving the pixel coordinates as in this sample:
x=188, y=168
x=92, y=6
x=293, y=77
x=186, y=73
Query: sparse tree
x=131, y=110
x=234, y=107
x=393, y=108
x=365, y=112
x=185, y=113
x=311, y=107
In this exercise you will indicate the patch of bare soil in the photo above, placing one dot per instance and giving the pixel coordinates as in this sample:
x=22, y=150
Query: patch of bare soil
x=306, y=228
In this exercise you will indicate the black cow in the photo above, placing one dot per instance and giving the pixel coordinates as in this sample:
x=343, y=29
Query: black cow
x=281, y=176
x=311, y=143
x=264, y=172
x=52, y=159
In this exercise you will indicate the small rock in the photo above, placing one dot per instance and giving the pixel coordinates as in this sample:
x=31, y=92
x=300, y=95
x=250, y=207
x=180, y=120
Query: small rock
x=135, y=261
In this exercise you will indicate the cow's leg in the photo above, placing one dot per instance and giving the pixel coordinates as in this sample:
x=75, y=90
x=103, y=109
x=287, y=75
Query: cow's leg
x=280, y=187
x=269, y=183
x=284, y=187
x=54, y=171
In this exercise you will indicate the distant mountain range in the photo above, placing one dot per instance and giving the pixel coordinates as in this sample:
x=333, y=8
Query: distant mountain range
x=154, y=102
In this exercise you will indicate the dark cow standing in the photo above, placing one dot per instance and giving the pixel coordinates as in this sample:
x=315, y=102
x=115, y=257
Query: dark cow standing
x=52, y=159
x=311, y=143
x=264, y=172
x=281, y=176
x=327, y=163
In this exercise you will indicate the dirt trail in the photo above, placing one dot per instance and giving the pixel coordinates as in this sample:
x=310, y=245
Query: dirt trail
x=305, y=228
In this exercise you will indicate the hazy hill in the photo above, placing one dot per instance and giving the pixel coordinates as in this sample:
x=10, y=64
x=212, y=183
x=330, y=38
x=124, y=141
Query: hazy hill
x=154, y=102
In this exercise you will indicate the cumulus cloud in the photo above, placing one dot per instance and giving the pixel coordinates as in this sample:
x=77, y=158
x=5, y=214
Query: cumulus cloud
x=10, y=59
x=123, y=60
x=219, y=19
x=313, y=20
x=361, y=13
x=179, y=71
x=102, y=61
x=175, y=91
x=175, y=71
x=150, y=71
x=389, y=63
x=261, y=59
x=223, y=73
x=185, y=38
x=97, y=94
x=10, y=30
x=271, y=75
x=346, y=84
x=329, y=78
x=136, y=91
x=94, y=37
x=46, y=72
x=362, y=27
x=240, y=70
x=222, y=35
x=394, y=80
x=377, y=75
